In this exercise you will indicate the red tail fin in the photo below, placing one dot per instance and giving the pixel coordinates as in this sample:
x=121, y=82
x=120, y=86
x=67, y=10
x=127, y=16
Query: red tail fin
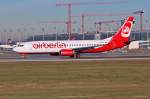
x=120, y=39
x=123, y=34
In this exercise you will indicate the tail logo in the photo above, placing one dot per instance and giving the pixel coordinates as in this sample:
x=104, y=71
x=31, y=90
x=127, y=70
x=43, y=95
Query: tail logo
x=126, y=29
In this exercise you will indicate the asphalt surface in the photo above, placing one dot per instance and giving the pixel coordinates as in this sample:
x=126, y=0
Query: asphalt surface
x=7, y=56
x=67, y=60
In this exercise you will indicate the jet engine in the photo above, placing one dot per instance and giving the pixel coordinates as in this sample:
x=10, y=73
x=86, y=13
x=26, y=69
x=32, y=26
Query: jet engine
x=67, y=52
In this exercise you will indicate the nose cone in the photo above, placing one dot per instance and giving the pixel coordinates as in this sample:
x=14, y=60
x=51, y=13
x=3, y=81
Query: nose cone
x=15, y=49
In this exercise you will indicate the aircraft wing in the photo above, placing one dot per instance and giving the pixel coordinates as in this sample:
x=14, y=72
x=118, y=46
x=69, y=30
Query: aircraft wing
x=83, y=48
x=6, y=46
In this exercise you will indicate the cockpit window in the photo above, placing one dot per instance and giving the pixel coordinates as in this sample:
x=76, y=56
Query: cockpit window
x=20, y=45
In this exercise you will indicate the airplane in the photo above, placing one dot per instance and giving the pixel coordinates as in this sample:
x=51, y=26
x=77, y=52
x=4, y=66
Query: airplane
x=6, y=46
x=73, y=48
x=10, y=45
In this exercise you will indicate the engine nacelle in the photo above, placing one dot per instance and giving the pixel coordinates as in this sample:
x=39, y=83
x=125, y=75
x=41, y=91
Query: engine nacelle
x=67, y=52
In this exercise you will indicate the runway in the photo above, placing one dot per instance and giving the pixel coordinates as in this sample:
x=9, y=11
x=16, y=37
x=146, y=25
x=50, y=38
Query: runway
x=68, y=59
x=13, y=57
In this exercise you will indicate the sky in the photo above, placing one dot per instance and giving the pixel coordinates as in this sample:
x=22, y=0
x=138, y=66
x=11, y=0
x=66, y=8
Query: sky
x=15, y=13
x=26, y=11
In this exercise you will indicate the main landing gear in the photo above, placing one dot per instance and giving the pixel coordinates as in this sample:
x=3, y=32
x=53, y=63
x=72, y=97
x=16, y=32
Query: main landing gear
x=76, y=55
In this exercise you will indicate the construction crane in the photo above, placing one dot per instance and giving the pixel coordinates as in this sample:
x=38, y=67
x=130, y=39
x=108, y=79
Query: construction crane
x=114, y=14
x=141, y=12
x=105, y=22
x=69, y=5
x=83, y=16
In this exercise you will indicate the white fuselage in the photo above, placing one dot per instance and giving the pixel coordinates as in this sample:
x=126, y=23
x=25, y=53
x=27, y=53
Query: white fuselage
x=56, y=46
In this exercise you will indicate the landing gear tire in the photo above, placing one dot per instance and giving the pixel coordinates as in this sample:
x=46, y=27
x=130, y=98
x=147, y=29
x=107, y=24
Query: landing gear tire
x=77, y=55
x=72, y=56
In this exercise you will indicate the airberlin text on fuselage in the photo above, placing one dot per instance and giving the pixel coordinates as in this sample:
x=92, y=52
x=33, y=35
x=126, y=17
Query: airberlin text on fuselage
x=47, y=45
